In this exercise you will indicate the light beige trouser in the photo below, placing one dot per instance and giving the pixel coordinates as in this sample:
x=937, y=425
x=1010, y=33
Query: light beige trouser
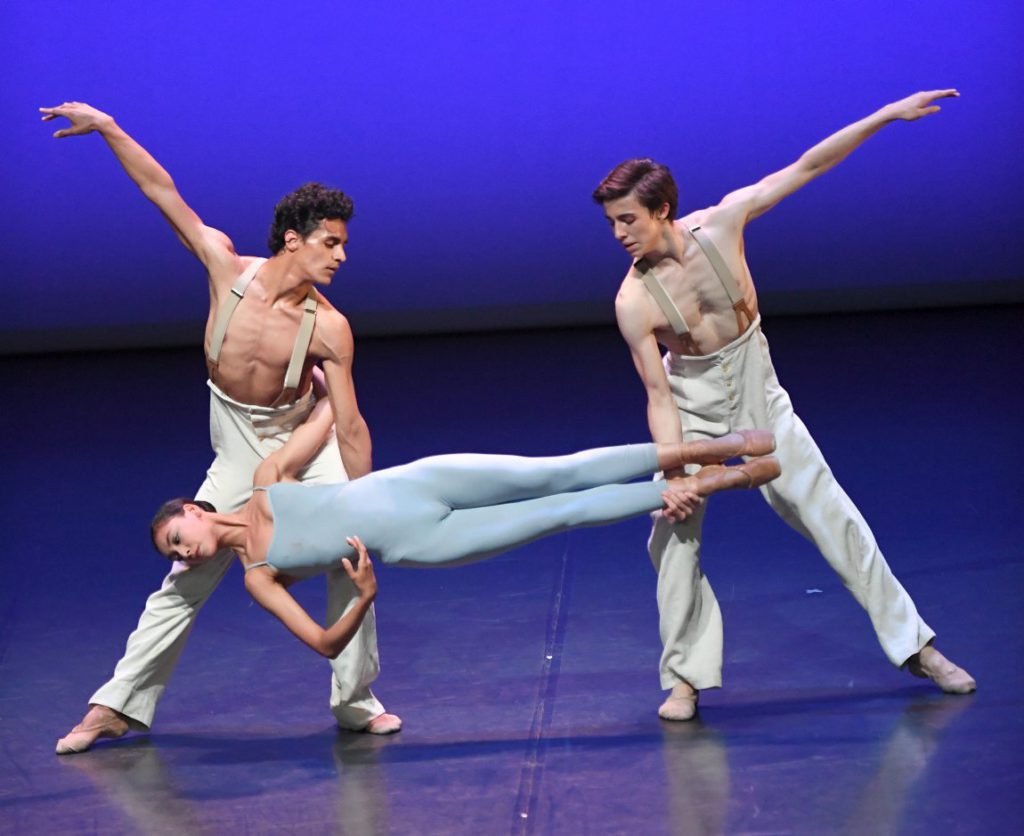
x=736, y=388
x=241, y=436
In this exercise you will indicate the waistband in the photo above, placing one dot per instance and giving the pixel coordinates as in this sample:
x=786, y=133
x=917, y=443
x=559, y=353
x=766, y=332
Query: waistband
x=267, y=420
x=688, y=361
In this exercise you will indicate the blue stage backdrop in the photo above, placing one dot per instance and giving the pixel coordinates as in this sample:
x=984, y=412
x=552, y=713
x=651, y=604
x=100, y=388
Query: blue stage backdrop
x=470, y=136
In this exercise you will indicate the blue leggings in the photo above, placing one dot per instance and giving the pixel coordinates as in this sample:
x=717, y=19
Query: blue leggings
x=466, y=507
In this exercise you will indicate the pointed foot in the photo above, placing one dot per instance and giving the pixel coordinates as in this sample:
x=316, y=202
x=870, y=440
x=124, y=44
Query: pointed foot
x=751, y=474
x=951, y=678
x=98, y=722
x=717, y=450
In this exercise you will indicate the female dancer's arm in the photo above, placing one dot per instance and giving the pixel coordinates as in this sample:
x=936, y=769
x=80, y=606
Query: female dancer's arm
x=304, y=442
x=270, y=594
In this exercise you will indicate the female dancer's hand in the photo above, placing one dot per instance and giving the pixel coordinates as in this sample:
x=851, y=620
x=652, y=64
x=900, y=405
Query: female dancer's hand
x=362, y=574
x=680, y=503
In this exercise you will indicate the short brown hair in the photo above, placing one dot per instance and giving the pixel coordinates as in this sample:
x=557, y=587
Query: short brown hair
x=651, y=182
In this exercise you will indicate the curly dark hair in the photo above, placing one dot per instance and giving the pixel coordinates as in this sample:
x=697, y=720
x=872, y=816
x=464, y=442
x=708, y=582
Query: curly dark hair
x=651, y=182
x=304, y=208
x=174, y=508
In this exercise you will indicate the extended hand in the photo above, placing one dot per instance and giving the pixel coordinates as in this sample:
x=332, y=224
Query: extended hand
x=918, y=105
x=362, y=575
x=680, y=503
x=83, y=118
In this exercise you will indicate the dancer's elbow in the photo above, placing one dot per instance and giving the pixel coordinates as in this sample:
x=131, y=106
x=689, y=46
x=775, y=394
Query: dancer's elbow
x=330, y=649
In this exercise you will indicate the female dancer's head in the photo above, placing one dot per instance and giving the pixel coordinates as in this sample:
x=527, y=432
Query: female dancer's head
x=181, y=530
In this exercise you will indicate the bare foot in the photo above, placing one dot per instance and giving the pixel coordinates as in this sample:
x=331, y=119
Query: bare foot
x=384, y=724
x=681, y=703
x=930, y=664
x=99, y=721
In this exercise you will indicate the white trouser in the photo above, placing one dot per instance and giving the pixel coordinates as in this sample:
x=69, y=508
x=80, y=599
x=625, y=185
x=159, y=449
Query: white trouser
x=241, y=436
x=736, y=388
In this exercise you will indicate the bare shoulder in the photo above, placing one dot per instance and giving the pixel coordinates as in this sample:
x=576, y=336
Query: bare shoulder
x=724, y=220
x=629, y=291
x=259, y=580
x=222, y=247
x=633, y=307
x=333, y=334
x=698, y=217
x=226, y=265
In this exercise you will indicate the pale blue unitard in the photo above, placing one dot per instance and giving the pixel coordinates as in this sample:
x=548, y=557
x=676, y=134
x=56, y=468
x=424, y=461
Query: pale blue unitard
x=447, y=510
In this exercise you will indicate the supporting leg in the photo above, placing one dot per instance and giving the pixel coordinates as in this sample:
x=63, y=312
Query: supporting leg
x=354, y=669
x=689, y=618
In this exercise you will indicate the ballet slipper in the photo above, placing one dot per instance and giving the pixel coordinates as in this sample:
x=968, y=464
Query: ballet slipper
x=680, y=705
x=82, y=736
x=717, y=450
x=715, y=477
x=384, y=724
x=930, y=664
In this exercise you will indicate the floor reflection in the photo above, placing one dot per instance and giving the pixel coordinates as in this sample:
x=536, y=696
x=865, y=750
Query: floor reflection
x=697, y=777
x=135, y=780
x=903, y=760
x=362, y=799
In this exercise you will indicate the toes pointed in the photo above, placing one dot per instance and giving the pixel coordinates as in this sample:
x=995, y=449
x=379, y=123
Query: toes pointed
x=68, y=746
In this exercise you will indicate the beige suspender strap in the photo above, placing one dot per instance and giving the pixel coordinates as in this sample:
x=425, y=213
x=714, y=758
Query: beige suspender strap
x=724, y=274
x=668, y=307
x=302, y=340
x=227, y=308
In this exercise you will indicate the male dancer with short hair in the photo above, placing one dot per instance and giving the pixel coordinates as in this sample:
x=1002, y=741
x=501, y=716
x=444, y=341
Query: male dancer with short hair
x=267, y=326
x=690, y=290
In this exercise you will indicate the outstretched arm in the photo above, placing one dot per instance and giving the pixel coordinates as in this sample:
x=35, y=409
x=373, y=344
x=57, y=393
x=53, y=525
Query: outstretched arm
x=207, y=244
x=755, y=200
x=274, y=598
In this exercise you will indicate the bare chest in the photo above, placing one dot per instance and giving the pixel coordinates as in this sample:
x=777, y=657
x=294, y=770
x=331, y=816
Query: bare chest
x=702, y=301
x=256, y=351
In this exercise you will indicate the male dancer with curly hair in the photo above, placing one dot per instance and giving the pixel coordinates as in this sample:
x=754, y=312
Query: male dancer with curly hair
x=267, y=327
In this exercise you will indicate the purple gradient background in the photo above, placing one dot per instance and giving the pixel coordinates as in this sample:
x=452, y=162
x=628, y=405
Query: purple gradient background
x=470, y=136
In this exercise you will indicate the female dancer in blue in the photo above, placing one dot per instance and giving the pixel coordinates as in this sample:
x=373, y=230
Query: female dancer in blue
x=439, y=511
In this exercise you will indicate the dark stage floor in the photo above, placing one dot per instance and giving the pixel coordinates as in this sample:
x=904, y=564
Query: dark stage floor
x=528, y=684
